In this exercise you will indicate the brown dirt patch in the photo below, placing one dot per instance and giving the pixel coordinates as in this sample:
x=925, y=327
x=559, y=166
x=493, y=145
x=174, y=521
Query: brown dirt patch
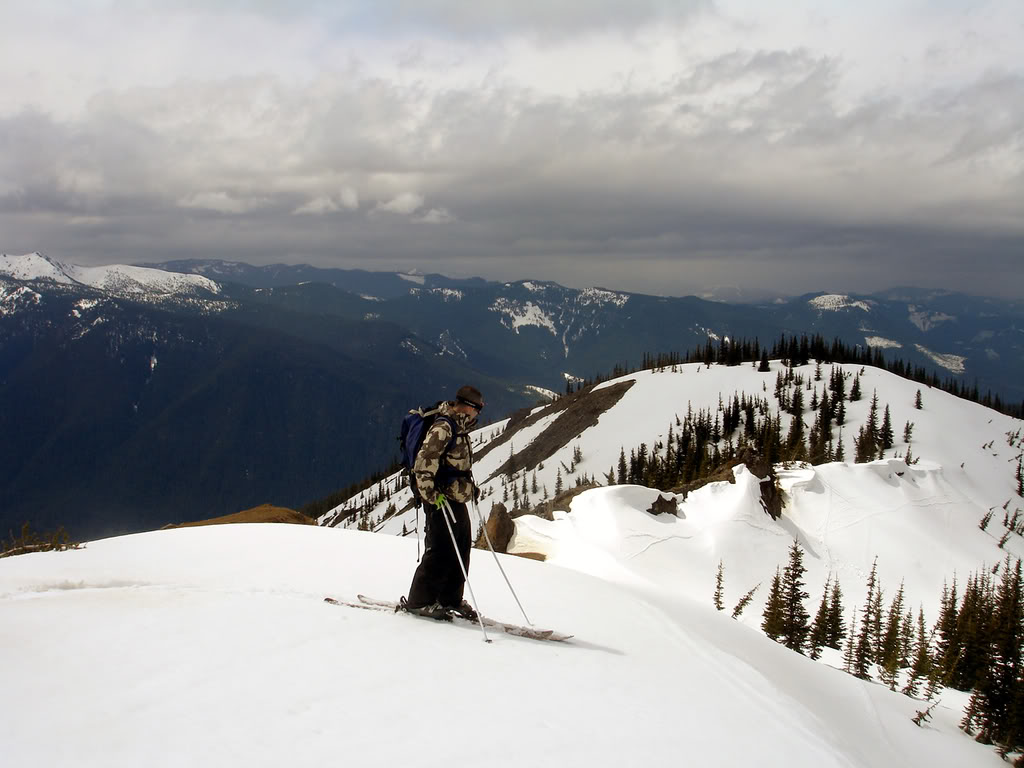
x=578, y=412
x=265, y=513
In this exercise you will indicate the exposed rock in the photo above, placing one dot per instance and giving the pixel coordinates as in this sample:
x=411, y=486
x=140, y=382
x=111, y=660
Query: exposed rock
x=499, y=528
x=663, y=505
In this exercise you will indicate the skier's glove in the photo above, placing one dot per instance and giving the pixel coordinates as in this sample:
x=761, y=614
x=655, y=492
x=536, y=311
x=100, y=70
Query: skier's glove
x=439, y=501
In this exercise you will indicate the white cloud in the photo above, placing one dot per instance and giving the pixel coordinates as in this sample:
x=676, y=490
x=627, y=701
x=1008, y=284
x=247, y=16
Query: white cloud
x=349, y=199
x=405, y=203
x=437, y=216
x=318, y=206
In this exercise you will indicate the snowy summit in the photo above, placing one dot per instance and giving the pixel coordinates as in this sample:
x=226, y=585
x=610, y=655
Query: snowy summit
x=119, y=279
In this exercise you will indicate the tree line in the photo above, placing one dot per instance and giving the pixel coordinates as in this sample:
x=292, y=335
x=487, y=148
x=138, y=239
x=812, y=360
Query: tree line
x=798, y=351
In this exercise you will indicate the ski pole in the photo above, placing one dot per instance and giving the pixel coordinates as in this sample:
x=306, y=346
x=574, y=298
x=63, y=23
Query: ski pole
x=455, y=545
x=490, y=546
x=417, y=533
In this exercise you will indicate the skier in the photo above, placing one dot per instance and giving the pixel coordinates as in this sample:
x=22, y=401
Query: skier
x=444, y=480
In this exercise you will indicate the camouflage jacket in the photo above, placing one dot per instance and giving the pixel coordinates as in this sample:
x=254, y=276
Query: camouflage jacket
x=459, y=458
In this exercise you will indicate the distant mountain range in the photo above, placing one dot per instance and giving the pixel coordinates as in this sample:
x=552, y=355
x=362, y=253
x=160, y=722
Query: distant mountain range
x=546, y=332
x=135, y=396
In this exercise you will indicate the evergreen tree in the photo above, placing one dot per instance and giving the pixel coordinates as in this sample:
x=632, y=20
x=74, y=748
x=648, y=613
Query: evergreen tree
x=773, y=616
x=795, y=625
x=876, y=617
x=891, y=648
x=917, y=401
x=744, y=602
x=855, y=389
x=836, y=627
x=764, y=367
x=947, y=646
x=921, y=669
x=820, y=627
x=719, y=591
x=907, y=640
x=864, y=653
x=623, y=470
x=999, y=691
x=886, y=436
x=849, y=655
x=558, y=482
x=840, y=454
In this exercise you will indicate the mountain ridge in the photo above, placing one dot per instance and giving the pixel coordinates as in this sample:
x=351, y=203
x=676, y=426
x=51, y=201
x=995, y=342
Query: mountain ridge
x=93, y=373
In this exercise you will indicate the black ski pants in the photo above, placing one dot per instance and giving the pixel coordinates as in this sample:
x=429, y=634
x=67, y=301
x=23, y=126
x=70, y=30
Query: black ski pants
x=438, y=577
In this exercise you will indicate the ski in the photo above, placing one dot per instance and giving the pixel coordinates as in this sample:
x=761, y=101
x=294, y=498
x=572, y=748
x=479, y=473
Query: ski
x=369, y=603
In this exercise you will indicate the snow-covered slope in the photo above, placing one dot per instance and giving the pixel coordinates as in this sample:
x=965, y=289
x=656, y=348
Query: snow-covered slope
x=117, y=279
x=920, y=521
x=212, y=646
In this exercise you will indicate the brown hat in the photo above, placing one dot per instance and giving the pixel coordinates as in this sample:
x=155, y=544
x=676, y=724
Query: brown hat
x=470, y=396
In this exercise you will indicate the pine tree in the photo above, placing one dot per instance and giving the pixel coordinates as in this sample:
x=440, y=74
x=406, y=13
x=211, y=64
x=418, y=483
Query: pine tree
x=999, y=690
x=795, y=625
x=719, y=591
x=877, y=607
x=886, y=437
x=864, y=653
x=623, y=470
x=855, y=389
x=947, y=646
x=772, y=618
x=917, y=401
x=836, y=627
x=921, y=669
x=744, y=602
x=849, y=656
x=558, y=482
x=840, y=454
x=890, y=649
x=872, y=424
x=820, y=628
x=907, y=640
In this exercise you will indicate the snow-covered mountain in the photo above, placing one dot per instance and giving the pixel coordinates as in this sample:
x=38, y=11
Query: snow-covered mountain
x=920, y=522
x=541, y=330
x=213, y=645
x=116, y=279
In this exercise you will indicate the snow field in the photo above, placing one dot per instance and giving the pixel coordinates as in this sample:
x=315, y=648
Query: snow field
x=212, y=646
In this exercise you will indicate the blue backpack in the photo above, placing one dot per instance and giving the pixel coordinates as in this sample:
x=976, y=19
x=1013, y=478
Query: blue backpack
x=415, y=426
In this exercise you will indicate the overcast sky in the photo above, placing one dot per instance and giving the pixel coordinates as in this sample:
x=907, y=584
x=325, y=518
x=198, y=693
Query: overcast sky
x=650, y=145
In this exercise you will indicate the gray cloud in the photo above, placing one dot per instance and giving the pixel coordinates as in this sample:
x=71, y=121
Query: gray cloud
x=747, y=166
